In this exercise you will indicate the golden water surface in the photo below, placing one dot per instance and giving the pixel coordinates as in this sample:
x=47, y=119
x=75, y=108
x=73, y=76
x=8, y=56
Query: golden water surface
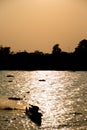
x=60, y=95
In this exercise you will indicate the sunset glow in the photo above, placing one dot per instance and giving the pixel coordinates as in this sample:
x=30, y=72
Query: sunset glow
x=39, y=24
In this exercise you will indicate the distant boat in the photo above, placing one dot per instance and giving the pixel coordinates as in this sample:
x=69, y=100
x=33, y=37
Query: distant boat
x=42, y=80
x=14, y=98
x=34, y=115
x=10, y=75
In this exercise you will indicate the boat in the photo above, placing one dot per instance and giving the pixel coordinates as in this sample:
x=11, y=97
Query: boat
x=33, y=113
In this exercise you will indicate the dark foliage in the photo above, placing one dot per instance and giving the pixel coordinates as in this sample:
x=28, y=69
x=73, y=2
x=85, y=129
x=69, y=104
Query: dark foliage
x=57, y=60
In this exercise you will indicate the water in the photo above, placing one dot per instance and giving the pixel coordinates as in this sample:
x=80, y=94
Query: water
x=61, y=96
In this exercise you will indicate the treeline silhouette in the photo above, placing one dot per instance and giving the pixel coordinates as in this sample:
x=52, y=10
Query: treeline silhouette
x=57, y=60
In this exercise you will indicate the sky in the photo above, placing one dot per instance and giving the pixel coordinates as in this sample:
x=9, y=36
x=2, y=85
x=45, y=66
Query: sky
x=40, y=24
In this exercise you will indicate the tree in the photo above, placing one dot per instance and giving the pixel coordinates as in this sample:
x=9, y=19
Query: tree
x=4, y=50
x=56, y=50
x=38, y=52
x=82, y=47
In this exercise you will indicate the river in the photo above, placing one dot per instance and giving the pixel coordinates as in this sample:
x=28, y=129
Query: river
x=60, y=95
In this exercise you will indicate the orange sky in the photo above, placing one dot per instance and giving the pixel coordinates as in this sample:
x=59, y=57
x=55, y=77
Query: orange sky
x=39, y=24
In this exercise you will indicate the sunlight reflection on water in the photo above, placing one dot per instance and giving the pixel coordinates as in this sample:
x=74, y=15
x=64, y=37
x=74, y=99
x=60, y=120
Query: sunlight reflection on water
x=61, y=96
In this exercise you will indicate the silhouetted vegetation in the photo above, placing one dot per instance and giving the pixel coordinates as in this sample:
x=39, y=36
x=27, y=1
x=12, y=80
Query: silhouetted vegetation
x=57, y=60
